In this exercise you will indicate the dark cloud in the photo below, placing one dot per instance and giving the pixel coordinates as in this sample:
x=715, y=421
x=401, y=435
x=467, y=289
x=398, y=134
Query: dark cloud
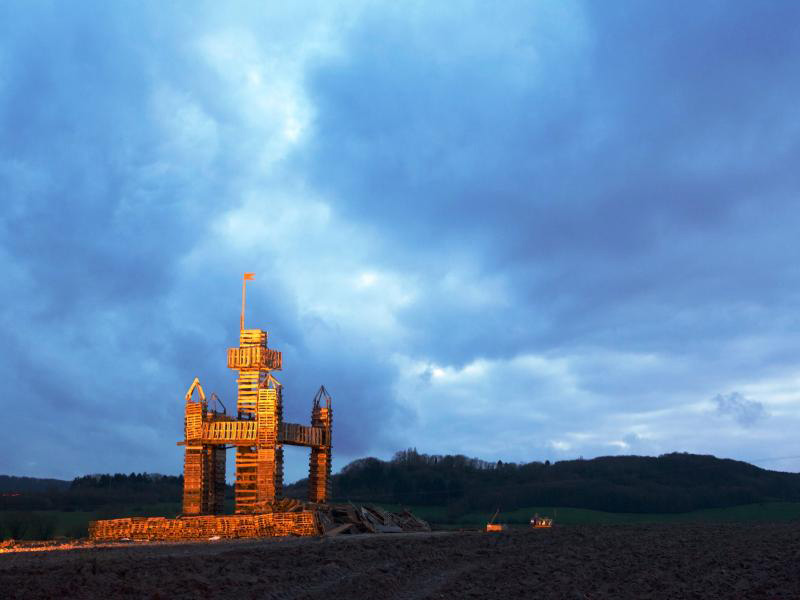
x=619, y=168
x=744, y=411
x=594, y=205
x=96, y=219
x=122, y=149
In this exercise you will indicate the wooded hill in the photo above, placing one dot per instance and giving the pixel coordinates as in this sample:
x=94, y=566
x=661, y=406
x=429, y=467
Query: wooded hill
x=669, y=483
x=676, y=482
x=9, y=483
x=88, y=492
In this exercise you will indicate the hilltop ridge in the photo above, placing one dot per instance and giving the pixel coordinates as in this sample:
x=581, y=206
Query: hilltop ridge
x=670, y=483
x=675, y=482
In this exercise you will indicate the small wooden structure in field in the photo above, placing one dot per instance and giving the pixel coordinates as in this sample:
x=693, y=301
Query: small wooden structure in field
x=491, y=526
x=538, y=522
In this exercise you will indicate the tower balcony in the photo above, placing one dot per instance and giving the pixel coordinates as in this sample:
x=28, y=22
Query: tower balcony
x=254, y=357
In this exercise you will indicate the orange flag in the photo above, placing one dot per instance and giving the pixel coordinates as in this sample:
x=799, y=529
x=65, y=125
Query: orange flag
x=249, y=276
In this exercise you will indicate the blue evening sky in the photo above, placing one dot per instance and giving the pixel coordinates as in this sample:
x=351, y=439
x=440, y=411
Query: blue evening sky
x=512, y=230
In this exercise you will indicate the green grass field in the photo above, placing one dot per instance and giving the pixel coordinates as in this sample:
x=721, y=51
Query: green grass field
x=47, y=524
x=769, y=511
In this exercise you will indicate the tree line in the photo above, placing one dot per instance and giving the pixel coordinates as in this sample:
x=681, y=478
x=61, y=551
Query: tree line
x=676, y=482
x=670, y=483
x=90, y=492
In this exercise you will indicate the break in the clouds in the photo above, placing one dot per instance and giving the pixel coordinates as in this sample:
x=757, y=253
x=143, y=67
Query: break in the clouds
x=532, y=231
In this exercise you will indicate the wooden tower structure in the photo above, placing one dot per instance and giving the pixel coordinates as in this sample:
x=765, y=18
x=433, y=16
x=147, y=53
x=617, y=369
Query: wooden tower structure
x=257, y=432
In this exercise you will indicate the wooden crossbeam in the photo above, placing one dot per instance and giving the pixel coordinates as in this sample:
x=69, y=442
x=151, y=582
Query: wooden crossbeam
x=293, y=434
x=245, y=433
x=229, y=432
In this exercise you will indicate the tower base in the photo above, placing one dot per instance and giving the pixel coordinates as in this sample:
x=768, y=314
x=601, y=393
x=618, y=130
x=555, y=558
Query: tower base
x=292, y=517
x=274, y=524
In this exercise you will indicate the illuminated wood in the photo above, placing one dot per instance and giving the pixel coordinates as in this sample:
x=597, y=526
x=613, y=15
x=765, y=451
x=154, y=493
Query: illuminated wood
x=255, y=357
x=204, y=527
x=229, y=432
x=192, y=480
x=258, y=433
x=319, y=464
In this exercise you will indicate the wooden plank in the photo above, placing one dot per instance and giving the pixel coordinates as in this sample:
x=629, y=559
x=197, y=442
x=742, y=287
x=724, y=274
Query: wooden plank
x=337, y=530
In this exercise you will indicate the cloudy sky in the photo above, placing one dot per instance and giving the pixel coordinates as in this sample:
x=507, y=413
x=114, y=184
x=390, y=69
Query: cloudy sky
x=517, y=231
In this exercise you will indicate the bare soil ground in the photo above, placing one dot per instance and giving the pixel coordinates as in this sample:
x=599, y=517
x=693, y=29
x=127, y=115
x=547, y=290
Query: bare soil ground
x=748, y=561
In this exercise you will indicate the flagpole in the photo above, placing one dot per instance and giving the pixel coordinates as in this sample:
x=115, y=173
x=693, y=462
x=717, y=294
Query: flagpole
x=245, y=278
x=241, y=321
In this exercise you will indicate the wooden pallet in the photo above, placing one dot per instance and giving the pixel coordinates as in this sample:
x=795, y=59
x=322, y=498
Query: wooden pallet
x=301, y=523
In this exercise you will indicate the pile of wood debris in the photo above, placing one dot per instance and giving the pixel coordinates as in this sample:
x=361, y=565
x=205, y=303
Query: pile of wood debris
x=334, y=519
x=286, y=517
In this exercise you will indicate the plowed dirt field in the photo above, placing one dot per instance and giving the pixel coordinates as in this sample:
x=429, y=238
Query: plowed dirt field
x=747, y=561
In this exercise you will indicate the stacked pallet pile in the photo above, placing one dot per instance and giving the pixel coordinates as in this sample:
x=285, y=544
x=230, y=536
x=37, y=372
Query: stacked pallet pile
x=299, y=523
x=289, y=517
